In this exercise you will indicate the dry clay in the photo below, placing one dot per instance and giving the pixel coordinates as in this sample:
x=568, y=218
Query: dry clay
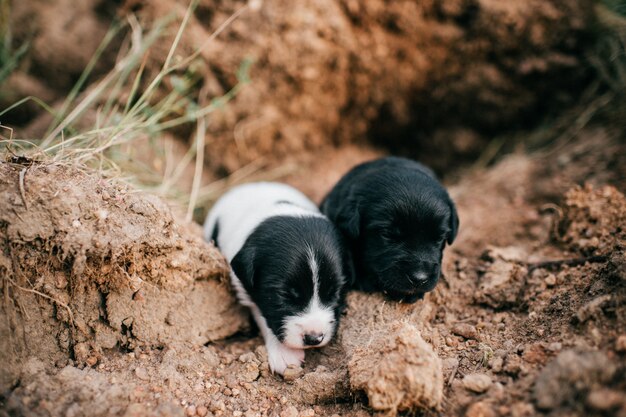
x=87, y=266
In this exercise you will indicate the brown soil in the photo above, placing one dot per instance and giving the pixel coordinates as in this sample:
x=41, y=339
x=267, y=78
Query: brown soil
x=511, y=329
x=418, y=77
x=113, y=306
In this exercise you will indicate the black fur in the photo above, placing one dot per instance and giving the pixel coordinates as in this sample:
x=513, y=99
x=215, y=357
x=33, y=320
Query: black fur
x=215, y=232
x=273, y=266
x=396, y=219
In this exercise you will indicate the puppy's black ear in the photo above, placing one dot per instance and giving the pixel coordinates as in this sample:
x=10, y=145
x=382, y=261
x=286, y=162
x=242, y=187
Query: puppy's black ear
x=454, y=223
x=243, y=266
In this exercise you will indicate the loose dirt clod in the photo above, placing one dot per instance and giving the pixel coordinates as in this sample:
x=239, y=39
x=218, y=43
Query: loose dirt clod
x=478, y=383
x=387, y=357
x=620, y=343
x=466, y=330
x=501, y=283
x=570, y=376
x=292, y=373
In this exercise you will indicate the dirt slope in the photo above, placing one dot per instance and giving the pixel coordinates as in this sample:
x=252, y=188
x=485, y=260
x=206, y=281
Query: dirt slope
x=417, y=76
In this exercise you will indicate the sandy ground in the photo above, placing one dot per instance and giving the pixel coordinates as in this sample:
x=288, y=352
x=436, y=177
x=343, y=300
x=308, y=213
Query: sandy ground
x=111, y=305
x=529, y=319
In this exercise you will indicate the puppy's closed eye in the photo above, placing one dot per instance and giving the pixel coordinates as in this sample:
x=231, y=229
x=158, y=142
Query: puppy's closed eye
x=394, y=233
x=294, y=295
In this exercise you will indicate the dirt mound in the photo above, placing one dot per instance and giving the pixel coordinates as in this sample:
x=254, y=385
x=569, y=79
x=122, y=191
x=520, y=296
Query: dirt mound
x=338, y=71
x=570, y=376
x=89, y=265
x=329, y=72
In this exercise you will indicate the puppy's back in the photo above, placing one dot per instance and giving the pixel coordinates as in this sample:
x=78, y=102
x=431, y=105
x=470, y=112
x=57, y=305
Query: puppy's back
x=375, y=176
x=238, y=212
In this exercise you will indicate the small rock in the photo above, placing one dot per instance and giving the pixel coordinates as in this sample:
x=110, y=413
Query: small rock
x=218, y=406
x=452, y=341
x=250, y=372
x=309, y=412
x=91, y=361
x=550, y=280
x=478, y=383
x=60, y=281
x=231, y=381
x=620, y=344
x=501, y=284
x=466, y=330
x=290, y=411
x=247, y=357
x=604, y=399
x=191, y=411
x=522, y=409
x=292, y=373
x=480, y=409
x=592, y=308
x=513, y=365
x=142, y=374
x=202, y=411
x=496, y=364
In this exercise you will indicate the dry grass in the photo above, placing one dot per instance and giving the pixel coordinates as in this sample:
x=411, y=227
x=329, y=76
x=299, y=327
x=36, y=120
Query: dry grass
x=99, y=126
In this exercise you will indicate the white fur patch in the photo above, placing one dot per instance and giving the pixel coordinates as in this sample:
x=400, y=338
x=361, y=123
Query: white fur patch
x=315, y=319
x=242, y=209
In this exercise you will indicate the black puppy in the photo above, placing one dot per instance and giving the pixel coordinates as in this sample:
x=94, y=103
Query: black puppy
x=396, y=219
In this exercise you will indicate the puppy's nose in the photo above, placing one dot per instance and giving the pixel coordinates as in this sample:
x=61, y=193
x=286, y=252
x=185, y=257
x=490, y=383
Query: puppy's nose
x=420, y=277
x=313, y=339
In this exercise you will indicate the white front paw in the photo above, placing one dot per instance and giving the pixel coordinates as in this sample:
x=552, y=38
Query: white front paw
x=280, y=357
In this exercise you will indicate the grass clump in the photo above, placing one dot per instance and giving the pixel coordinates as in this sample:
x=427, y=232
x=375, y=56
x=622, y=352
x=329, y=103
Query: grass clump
x=99, y=125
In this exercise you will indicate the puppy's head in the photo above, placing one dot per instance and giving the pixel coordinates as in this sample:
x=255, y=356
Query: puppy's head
x=291, y=267
x=401, y=230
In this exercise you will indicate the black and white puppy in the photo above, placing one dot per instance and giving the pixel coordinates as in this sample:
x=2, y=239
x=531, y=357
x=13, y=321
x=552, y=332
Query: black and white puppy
x=287, y=266
x=396, y=219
